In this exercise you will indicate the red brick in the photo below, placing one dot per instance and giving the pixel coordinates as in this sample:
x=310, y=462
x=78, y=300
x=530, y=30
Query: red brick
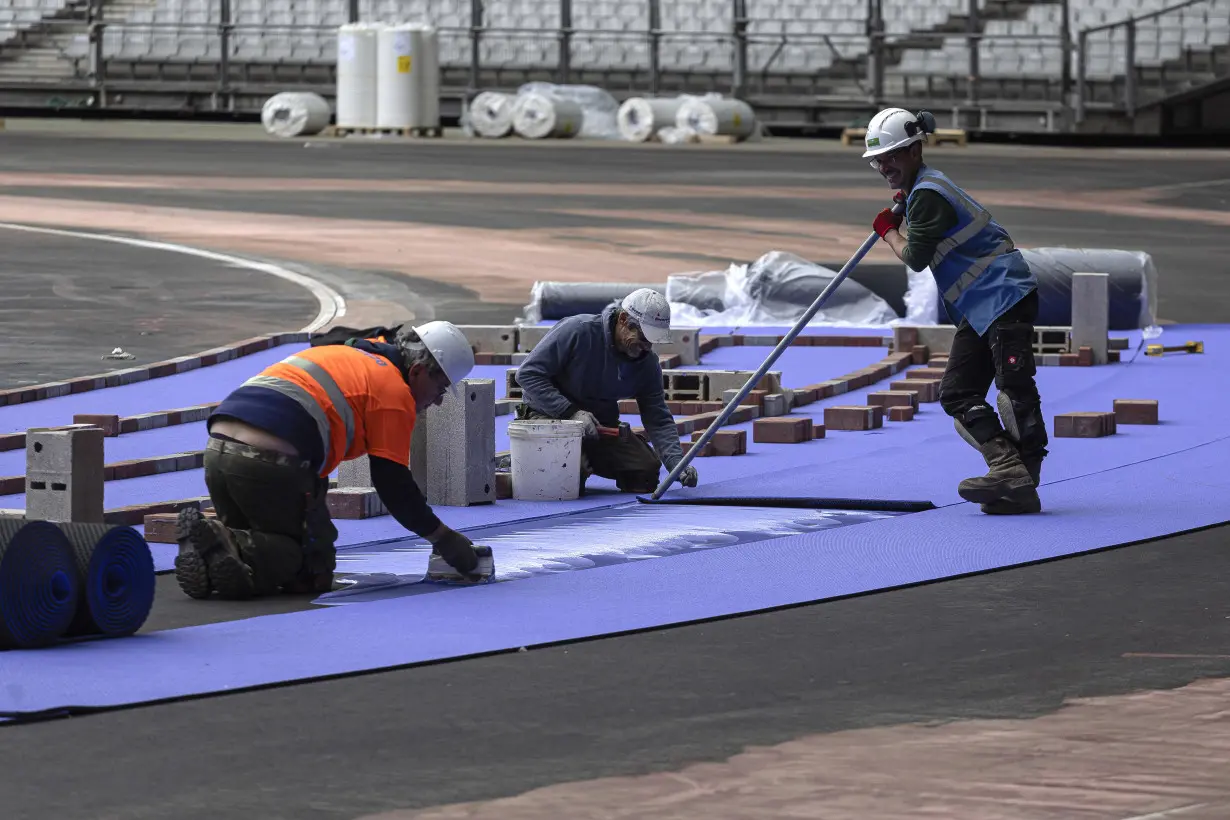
x=110, y=424
x=743, y=414
x=630, y=406
x=853, y=417
x=708, y=344
x=782, y=430
x=724, y=442
x=702, y=452
x=921, y=354
x=689, y=408
x=905, y=338
x=736, y=339
x=354, y=503
x=1084, y=425
x=711, y=406
x=503, y=485
x=894, y=398
x=12, y=441
x=1136, y=411
x=12, y=485
x=925, y=373
x=928, y=390
x=158, y=371
x=665, y=362
x=756, y=397
x=1069, y=360
x=899, y=413
x=1084, y=357
x=805, y=396
x=493, y=358
x=136, y=513
x=857, y=380
x=1112, y=357
x=160, y=527
x=817, y=430
x=938, y=361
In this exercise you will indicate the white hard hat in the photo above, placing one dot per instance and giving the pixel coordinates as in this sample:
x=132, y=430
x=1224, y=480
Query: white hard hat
x=651, y=311
x=449, y=347
x=895, y=128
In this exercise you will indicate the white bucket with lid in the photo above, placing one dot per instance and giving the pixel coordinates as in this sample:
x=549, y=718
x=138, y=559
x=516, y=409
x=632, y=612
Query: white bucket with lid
x=546, y=459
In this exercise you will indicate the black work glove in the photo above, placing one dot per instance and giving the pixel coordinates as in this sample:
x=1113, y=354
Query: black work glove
x=457, y=551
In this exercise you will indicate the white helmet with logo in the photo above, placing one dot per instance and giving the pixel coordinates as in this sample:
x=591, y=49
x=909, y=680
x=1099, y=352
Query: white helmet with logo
x=449, y=347
x=895, y=128
x=649, y=309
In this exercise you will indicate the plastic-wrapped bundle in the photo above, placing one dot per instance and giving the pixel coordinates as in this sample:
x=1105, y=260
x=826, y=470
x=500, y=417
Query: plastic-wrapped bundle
x=295, y=114
x=641, y=118
x=710, y=116
x=559, y=300
x=491, y=114
x=599, y=110
x=776, y=289
x=539, y=116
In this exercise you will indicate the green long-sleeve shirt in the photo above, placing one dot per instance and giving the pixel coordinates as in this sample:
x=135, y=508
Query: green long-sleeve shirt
x=929, y=218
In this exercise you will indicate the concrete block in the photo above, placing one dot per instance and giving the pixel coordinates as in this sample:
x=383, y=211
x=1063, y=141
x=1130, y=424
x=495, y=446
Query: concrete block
x=530, y=335
x=774, y=404
x=684, y=343
x=511, y=388
x=65, y=474
x=357, y=472
x=928, y=390
x=1136, y=411
x=1091, y=313
x=518, y=358
x=491, y=338
x=455, y=460
x=937, y=337
x=900, y=413
x=1084, y=425
x=110, y=425
x=894, y=398
x=1048, y=359
x=354, y=503
x=506, y=407
x=1117, y=343
x=783, y=430
x=684, y=385
x=853, y=417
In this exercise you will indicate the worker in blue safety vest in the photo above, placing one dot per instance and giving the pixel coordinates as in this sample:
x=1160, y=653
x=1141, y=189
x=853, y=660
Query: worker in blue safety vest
x=990, y=294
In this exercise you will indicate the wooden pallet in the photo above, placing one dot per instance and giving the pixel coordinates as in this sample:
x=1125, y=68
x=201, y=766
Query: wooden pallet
x=337, y=131
x=956, y=136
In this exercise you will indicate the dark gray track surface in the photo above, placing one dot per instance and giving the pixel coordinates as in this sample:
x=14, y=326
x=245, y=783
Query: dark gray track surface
x=1013, y=644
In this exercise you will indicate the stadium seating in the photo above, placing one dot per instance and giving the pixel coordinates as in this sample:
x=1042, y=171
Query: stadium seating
x=808, y=39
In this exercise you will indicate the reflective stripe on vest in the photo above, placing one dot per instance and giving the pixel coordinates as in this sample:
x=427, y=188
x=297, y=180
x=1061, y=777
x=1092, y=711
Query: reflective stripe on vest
x=970, y=276
x=980, y=218
x=309, y=403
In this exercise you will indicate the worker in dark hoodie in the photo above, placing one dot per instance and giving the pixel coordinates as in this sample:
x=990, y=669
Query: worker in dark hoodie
x=585, y=365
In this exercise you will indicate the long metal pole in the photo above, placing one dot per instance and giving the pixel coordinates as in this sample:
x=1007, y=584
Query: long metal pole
x=773, y=357
x=1065, y=69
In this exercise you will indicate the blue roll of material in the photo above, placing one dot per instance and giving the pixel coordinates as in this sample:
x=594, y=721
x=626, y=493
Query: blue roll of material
x=116, y=570
x=39, y=587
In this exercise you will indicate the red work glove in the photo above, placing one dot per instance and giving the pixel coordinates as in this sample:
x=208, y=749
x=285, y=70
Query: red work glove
x=886, y=221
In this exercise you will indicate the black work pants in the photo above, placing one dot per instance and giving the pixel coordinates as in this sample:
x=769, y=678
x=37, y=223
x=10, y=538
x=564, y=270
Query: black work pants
x=630, y=462
x=276, y=507
x=1004, y=356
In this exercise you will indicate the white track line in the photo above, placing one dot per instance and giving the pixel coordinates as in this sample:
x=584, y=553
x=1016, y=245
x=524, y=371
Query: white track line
x=332, y=305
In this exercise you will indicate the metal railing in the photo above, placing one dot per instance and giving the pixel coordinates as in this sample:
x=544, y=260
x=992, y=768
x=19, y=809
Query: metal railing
x=747, y=57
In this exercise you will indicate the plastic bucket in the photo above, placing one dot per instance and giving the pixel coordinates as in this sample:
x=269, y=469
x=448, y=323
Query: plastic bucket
x=546, y=459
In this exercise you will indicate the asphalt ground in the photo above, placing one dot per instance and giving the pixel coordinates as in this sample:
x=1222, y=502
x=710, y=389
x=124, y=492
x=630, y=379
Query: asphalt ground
x=1013, y=644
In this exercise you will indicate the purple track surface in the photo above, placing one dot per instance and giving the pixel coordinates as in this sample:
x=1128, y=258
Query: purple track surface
x=1092, y=512
x=169, y=393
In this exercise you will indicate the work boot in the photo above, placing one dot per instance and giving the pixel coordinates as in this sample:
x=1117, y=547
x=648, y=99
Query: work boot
x=1020, y=506
x=1008, y=477
x=209, y=559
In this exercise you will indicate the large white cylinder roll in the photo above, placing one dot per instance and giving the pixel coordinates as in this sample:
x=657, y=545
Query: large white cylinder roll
x=640, y=118
x=407, y=79
x=491, y=114
x=539, y=116
x=356, y=75
x=717, y=117
x=295, y=114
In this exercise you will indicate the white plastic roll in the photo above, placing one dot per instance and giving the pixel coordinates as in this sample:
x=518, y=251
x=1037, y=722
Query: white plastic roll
x=717, y=117
x=295, y=114
x=540, y=117
x=640, y=118
x=356, y=75
x=491, y=114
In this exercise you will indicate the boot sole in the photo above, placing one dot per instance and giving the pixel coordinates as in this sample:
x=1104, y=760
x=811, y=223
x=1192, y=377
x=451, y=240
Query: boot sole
x=226, y=572
x=1002, y=507
x=191, y=572
x=1016, y=490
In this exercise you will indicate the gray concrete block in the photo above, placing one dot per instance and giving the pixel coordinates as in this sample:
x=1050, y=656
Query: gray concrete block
x=530, y=335
x=1091, y=313
x=937, y=337
x=64, y=474
x=685, y=342
x=1048, y=360
x=518, y=358
x=506, y=407
x=491, y=338
x=774, y=405
x=357, y=472
x=452, y=452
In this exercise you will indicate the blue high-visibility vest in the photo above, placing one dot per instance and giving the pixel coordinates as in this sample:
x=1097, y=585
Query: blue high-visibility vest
x=979, y=272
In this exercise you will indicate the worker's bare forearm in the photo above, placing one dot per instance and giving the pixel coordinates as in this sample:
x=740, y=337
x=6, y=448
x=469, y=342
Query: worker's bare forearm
x=897, y=241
